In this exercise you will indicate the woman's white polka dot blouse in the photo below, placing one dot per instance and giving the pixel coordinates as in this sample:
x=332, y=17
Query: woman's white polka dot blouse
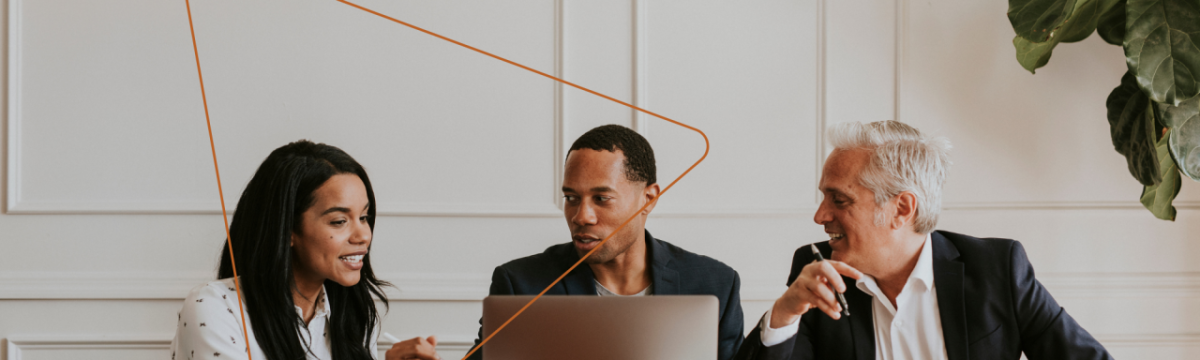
x=210, y=327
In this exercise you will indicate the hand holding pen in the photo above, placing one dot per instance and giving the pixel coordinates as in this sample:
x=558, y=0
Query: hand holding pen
x=819, y=285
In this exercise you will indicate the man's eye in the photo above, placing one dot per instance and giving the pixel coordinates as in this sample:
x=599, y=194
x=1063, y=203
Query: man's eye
x=603, y=198
x=337, y=222
x=570, y=198
x=364, y=218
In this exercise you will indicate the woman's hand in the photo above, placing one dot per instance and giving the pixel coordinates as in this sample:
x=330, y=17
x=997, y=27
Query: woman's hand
x=415, y=348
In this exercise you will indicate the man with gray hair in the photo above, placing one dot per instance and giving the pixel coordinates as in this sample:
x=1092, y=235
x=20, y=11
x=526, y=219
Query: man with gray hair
x=913, y=292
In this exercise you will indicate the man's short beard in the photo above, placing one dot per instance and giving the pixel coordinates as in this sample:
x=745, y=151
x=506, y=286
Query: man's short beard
x=607, y=251
x=599, y=256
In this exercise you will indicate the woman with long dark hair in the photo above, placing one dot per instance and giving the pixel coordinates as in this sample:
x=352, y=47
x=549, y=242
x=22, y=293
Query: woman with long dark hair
x=301, y=239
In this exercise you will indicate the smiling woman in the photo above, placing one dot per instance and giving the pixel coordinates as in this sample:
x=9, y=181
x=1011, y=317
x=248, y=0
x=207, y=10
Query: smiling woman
x=301, y=238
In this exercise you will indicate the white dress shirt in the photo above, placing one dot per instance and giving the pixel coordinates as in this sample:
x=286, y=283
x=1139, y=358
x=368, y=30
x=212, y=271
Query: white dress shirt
x=910, y=330
x=210, y=328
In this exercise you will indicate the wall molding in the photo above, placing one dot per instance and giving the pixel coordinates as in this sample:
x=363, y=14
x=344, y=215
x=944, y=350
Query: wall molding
x=1149, y=340
x=16, y=204
x=13, y=104
x=176, y=285
x=474, y=287
x=1121, y=285
x=1060, y=205
x=17, y=344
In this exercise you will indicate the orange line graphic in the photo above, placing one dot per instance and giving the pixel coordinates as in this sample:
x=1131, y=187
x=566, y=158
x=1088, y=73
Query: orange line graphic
x=585, y=256
x=221, y=192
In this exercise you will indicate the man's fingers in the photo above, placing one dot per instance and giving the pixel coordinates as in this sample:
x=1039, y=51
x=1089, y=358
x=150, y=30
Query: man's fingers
x=432, y=341
x=822, y=295
x=832, y=277
x=823, y=299
x=844, y=269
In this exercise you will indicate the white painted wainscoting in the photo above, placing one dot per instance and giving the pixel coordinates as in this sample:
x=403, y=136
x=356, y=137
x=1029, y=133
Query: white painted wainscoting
x=110, y=209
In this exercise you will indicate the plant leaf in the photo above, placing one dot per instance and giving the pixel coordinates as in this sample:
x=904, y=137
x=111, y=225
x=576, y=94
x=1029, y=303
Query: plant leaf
x=1175, y=116
x=1036, y=20
x=1132, y=126
x=1184, y=121
x=1058, y=21
x=1084, y=19
x=1161, y=47
x=1158, y=198
x=1111, y=25
x=1033, y=55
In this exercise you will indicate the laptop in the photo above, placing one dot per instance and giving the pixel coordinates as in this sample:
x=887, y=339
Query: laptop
x=666, y=327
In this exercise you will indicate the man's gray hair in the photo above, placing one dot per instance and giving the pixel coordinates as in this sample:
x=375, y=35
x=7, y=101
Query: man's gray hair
x=902, y=159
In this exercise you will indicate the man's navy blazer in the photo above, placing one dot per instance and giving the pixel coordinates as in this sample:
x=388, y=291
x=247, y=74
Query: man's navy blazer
x=673, y=271
x=991, y=307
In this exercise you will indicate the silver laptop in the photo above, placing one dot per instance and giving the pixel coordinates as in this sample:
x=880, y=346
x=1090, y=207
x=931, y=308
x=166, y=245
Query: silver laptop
x=557, y=327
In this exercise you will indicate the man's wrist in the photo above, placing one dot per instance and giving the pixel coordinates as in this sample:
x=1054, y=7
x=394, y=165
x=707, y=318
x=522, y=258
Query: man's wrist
x=775, y=336
x=782, y=315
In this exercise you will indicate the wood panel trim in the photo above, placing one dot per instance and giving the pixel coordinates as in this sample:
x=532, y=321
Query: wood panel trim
x=16, y=344
x=474, y=287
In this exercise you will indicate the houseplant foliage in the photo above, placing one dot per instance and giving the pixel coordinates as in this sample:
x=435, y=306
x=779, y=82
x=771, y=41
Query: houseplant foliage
x=1154, y=114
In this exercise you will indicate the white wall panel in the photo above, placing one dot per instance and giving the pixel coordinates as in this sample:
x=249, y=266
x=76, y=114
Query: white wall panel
x=860, y=61
x=597, y=54
x=746, y=76
x=400, y=101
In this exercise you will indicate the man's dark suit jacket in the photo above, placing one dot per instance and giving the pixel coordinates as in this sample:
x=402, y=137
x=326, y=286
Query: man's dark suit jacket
x=990, y=304
x=673, y=271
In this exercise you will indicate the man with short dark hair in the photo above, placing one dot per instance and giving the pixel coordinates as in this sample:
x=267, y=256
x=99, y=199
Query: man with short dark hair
x=609, y=175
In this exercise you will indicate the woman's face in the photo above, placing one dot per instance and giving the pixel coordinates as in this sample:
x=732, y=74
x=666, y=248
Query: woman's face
x=334, y=234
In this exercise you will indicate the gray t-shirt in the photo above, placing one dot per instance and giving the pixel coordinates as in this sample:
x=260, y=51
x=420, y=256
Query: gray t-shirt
x=603, y=291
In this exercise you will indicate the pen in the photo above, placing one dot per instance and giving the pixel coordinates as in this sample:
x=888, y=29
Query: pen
x=841, y=298
x=391, y=338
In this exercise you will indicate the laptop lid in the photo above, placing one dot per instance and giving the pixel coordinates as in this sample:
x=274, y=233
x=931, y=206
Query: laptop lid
x=665, y=327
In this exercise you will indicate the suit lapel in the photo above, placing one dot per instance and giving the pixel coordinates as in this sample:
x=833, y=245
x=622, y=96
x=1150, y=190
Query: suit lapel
x=664, y=279
x=862, y=326
x=580, y=281
x=948, y=279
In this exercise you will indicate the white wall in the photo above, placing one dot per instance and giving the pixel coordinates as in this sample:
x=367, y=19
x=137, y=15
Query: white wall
x=111, y=209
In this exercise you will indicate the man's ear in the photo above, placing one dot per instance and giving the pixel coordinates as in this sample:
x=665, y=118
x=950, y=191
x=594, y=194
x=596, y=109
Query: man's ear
x=906, y=210
x=292, y=241
x=651, y=193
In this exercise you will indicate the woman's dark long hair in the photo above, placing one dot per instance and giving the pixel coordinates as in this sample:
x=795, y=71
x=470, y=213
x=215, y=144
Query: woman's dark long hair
x=268, y=212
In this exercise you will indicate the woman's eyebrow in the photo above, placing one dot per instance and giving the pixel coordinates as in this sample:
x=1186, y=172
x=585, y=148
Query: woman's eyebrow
x=335, y=209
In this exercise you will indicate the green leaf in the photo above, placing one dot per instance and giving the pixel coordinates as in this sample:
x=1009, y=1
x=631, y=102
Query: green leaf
x=1175, y=116
x=1033, y=55
x=1161, y=47
x=1084, y=19
x=1184, y=121
x=1036, y=20
x=1042, y=24
x=1157, y=198
x=1111, y=26
x=1132, y=126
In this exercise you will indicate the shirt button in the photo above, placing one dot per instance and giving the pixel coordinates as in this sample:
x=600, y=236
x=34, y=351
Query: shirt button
x=899, y=322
